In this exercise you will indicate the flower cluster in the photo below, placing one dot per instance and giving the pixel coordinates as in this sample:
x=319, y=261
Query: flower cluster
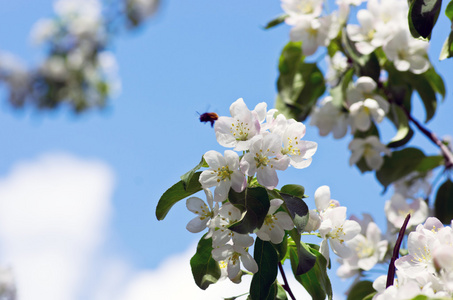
x=428, y=267
x=78, y=69
x=357, y=102
x=268, y=142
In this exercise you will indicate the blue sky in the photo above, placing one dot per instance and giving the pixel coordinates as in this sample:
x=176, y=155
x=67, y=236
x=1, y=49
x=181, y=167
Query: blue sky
x=192, y=57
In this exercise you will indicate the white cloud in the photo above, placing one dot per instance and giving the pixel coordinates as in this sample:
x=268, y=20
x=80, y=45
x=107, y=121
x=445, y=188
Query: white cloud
x=173, y=280
x=53, y=215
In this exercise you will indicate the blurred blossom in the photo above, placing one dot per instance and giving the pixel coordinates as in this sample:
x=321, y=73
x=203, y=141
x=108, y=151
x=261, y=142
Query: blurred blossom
x=370, y=149
x=397, y=208
x=413, y=185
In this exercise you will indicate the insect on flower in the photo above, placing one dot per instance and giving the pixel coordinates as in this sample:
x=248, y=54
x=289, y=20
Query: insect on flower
x=209, y=117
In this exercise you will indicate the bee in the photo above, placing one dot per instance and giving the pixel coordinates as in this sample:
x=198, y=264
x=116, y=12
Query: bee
x=209, y=117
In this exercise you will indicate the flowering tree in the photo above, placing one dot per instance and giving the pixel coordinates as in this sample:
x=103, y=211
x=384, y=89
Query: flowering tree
x=376, y=66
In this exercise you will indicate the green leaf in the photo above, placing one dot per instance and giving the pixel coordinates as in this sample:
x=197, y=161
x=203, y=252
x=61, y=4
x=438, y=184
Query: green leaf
x=298, y=210
x=423, y=16
x=338, y=93
x=255, y=201
x=276, y=21
x=315, y=281
x=401, y=122
x=267, y=259
x=282, y=248
x=398, y=165
x=449, y=10
x=436, y=81
x=305, y=259
x=425, y=89
x=294, y=190
x=360, y=290
x=299, y=85
x=205, y=269
x=447, y=48
x=443, y=205
x=281, y=293
x=430, y=162
x=176, y=193
x=188, y=176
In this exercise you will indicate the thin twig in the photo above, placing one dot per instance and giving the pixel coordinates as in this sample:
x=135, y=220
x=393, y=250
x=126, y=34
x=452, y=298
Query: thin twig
x=285, y=284
x=396, y=250
x=445, y=151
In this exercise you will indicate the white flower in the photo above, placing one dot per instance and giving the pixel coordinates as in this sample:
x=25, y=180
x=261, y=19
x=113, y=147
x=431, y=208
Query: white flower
x=407, y=53
x=413, y=185
x=336, y=229
x=323, y=201
x=300, y=8
x=378, y=23
x=204, y=212
x=397, y=208
x=233, y=255
x=237, y=131
x=227, y=215
x=299, y=152
x=369, y=248
x=330, y=118
x=264, y=158
x=370, y=148
x=43, y=30
x=337, y=65
x=223, y=173
x=365, y=105
x=313, y=32
x=275, y=224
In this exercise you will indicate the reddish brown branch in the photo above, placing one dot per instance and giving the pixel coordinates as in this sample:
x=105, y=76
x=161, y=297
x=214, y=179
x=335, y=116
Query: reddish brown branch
x=396, y=250
x=285, y=284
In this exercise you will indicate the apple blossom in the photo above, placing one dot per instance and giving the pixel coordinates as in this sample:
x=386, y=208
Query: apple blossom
x=369, y=148
x=205, y=213
x=224, y=174
x=218, y=228
x=313, y=32
x=365, y=105
x=407, y=53
x=330, y=118
x=299, y=152
x=413, y=185
x=233, y=255
x=336, y=229
x=275, y=224
x=397, y=208
x=237, y=131
x=264, y=158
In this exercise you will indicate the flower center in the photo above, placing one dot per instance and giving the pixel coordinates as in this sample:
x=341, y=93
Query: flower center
x=290, y=148
x=337, y=233
x=240, y=130
x=223, y=173
x=364, y=249
x=261, y=160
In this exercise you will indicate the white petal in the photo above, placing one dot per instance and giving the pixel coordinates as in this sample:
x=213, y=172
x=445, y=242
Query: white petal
x=197, y=224
x=214, y=159
x=322, y=197
x=249, y=263
x=267, y=177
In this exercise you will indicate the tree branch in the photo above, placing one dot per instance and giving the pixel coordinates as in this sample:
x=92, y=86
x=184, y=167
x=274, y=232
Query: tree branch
x=396, y=250
x=430, y=135
x=285, y=284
